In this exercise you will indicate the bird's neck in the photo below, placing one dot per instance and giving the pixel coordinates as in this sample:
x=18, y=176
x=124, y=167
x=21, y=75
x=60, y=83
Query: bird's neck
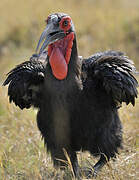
x=63, y=57
x=74, y=63
x=72, y=82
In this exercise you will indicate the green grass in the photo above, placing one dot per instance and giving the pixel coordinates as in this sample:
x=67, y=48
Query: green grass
x=100, y=25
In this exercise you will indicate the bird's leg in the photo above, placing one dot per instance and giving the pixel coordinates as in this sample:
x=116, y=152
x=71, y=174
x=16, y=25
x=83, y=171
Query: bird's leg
x=75, y=165
x=60, y=160
x=102, y=161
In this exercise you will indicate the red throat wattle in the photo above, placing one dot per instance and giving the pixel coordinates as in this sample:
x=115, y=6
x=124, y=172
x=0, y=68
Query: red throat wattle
x=59, y=56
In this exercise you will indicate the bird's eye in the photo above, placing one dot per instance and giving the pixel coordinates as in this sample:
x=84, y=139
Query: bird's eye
x=65, y=23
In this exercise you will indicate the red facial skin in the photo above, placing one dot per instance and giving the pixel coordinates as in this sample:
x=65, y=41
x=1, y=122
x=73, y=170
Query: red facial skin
x=68, y=26
x=60, y=52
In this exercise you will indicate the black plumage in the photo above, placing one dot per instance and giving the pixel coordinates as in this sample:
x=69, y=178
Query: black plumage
x=78, y=112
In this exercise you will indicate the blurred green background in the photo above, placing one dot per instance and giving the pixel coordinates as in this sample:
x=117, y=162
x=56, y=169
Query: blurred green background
x=100, y=25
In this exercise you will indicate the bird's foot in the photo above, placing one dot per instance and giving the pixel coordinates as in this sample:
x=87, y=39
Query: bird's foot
x=89, y=172
x=94, y=175
x=86, y=172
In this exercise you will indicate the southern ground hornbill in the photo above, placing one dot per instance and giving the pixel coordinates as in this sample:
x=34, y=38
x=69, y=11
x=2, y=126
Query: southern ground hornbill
x=77, y=99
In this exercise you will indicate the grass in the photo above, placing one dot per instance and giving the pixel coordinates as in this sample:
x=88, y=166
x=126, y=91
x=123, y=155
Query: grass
x=23, y=156
x=100, y=25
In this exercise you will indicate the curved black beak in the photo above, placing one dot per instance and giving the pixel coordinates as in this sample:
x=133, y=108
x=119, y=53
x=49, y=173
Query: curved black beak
x=50, y=34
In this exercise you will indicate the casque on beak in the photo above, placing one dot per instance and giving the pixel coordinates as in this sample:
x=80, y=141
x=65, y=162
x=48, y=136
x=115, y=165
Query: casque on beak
x=51, y=34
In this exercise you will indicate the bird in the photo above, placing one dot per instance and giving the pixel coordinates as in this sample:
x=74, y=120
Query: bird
x=77, y=98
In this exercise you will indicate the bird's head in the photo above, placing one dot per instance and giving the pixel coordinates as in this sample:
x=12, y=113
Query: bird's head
x=59, y=36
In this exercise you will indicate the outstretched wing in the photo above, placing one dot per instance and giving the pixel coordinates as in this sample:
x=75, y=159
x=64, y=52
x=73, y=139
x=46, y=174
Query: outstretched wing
x=25, y=81
x=114, y=71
